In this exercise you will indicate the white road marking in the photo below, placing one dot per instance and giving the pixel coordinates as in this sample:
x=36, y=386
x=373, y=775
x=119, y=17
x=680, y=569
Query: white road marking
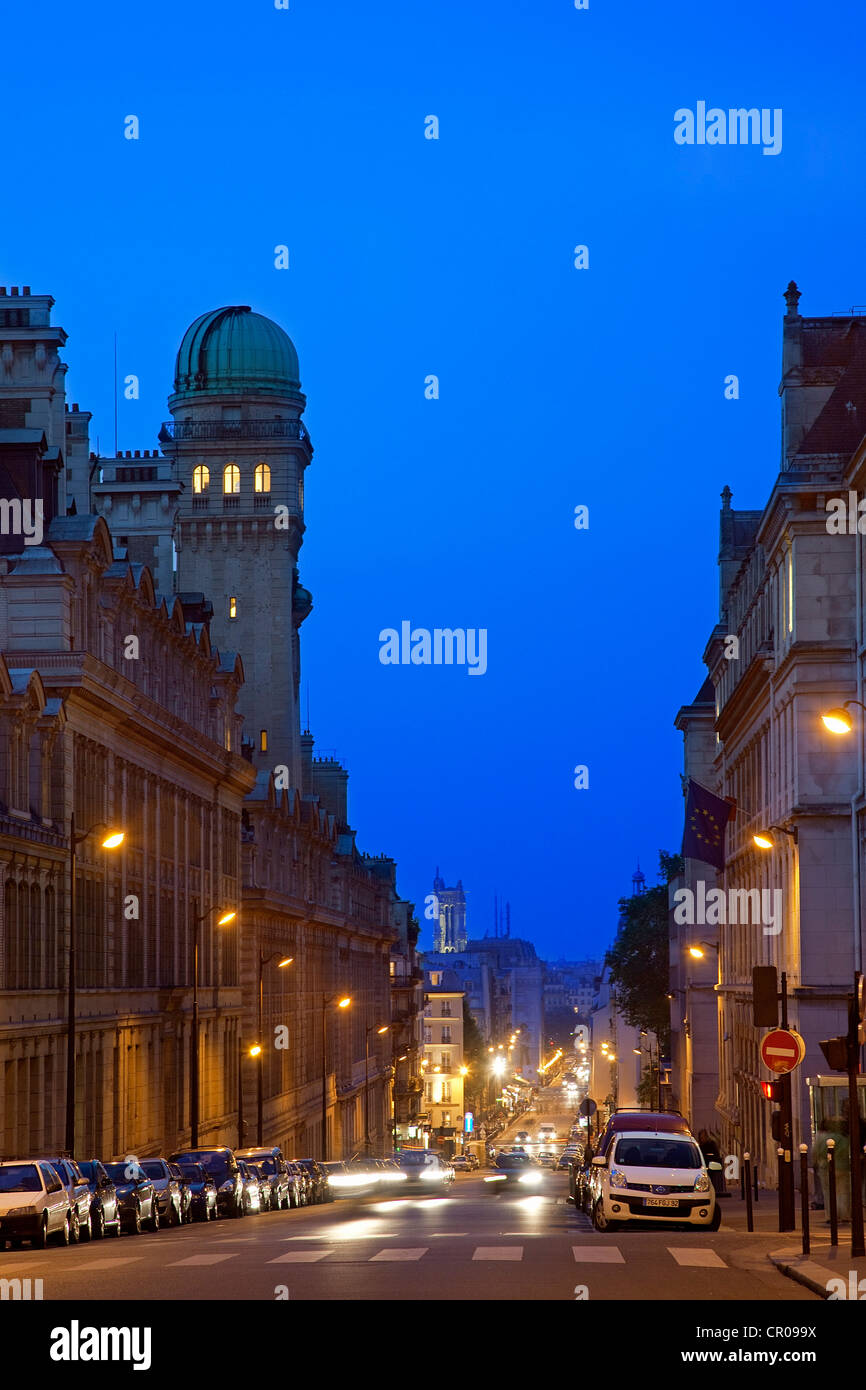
x=397, y=1254
x=200, y=1260
x=498, y=1252
x=691, y=1255
x=298, y=1257
x=598, y=1254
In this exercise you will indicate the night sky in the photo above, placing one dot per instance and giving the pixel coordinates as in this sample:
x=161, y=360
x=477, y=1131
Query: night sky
x=558, y=386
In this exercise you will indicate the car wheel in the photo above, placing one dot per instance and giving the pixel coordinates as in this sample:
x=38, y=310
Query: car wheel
x=175, y=1216
x=97, y=1223
x=153, y=1223
x=116, y=1227
x=240, y=1209
x=717, y=1219
x=84, y=1231
x=135, y=1223
x=40, y=1240
x=600, y=1220
x=74, y=1228
x=64, y=1235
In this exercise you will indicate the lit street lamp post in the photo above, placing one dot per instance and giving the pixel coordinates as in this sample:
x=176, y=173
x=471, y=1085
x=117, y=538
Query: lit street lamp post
x=111, y=841
x=260, y=1101
x=367, y=1031
x=341, y=1004
x=224, y=919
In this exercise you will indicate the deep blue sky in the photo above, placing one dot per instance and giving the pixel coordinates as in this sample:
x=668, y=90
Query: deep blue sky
x=558, y=387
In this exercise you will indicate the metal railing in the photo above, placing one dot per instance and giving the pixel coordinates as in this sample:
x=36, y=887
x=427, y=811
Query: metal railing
x=183, y=431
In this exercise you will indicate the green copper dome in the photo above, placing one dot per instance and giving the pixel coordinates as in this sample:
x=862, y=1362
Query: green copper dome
x=231, y=351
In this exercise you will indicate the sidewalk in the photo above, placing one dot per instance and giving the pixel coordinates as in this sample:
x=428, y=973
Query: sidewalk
x=815, y=1270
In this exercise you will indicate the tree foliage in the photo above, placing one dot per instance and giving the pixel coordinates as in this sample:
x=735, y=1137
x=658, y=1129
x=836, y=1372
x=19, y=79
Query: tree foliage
x=638, y=959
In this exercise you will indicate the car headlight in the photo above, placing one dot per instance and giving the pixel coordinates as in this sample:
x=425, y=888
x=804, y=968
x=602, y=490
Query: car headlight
x=702, y=1182
x=22, y=1211
x=530, y=1179
x=432, y=1175
x=227, y=1186
x=618, y=1178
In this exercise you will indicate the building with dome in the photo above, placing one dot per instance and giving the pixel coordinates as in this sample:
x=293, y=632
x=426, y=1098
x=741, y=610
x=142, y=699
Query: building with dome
x=201, y=538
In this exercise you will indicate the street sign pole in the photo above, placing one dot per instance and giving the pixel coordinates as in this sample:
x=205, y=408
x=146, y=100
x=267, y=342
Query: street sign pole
x=787, y=1220
x=853, y=1059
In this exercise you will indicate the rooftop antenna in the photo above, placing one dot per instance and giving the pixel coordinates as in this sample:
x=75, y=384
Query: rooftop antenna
x=308, y=706
x=115, y=393
x=495, y=915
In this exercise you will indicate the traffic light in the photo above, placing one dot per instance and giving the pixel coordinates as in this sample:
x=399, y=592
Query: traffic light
x=835, y=1052
x=773, y=1091
x=765, y=996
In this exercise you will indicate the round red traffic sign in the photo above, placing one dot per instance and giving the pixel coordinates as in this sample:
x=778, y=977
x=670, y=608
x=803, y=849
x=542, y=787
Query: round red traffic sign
x=782, y=1050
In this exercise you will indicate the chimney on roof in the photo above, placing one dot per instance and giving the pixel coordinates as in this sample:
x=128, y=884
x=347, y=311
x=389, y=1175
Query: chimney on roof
x=14, y=289
x=792, y=299
x=2, y=289
x=26, y=289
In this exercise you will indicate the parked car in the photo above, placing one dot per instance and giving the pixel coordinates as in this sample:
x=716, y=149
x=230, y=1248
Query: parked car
x=223, y=1168
x=304, y=1181
x=34, y=1205
x=566, y=1159
x=104, y=1202
x=271, y=1167
x=319, y=1190
x=654, y=1177
x=545, y=1158
x=185, y=1194
x=202, y=1191
x=78, y=1192
x=139, y=1207
x=167, y=1185
x=460, y=1163
x=514, y=1170
x=252, y=1188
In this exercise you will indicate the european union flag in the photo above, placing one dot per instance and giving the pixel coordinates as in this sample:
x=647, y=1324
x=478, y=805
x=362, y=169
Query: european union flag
x=706, y=818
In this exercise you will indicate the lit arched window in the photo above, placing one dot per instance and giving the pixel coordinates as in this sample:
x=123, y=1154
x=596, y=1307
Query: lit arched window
x=231, y=478
x=263, y=478
x=200, y=478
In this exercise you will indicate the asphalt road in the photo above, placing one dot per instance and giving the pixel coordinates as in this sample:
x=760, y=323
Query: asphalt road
x=469, y=1243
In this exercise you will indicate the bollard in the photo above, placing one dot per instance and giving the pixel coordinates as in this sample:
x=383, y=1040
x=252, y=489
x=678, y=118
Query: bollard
x=780, y=1158
x=804, y=1196
x=743, y=1180
x=831, y=1186
x=756, y=1182
x=750, y=1215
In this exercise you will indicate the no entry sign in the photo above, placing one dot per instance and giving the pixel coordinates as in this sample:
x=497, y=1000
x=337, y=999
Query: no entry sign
x=782, y=1050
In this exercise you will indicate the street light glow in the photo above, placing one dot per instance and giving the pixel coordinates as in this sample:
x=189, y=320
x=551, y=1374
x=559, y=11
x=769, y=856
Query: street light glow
x=838, y=721
x=764, y=840
x=115, y=838
x=344, y=1003
x=288, y=960
x=226, y=917
x=696, y=952
x=255, y=1050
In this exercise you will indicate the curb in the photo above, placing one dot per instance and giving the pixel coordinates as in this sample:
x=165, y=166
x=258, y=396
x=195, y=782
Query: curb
x=782, y=1260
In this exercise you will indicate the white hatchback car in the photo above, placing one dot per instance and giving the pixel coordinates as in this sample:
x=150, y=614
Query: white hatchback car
x=34, y=1205
x=652, y=1177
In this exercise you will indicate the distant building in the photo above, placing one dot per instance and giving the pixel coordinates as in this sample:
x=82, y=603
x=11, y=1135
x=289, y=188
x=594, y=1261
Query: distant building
x=450, y=931
x=443, y=1054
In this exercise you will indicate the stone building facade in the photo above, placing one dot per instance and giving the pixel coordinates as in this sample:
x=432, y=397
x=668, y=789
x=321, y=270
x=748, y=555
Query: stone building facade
x=790, y=602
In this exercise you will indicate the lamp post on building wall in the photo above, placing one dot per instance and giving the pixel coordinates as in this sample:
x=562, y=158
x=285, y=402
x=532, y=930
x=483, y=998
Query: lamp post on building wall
x=113, y=840
x=342, y=1003
x=254, y=1051
x=260, y=1101
x=226, y=916
x=367, y=1031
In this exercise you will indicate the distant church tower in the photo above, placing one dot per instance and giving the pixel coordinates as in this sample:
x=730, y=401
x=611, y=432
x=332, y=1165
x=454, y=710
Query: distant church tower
x=450, y=933
x=240, y=451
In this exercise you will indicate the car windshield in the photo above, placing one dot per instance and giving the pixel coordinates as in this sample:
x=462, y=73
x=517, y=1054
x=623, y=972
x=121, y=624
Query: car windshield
x=118, y=1172
x=410, y=1160
x=20, y=1177
x=153, y=1168
x=512, y=1160
x=193, y=1171
x=90, y=1171
x=215, y=1164
x=657, y=1153
x=265, y=1165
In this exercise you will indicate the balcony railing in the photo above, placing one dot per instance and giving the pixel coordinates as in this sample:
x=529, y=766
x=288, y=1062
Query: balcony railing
x=184, y=431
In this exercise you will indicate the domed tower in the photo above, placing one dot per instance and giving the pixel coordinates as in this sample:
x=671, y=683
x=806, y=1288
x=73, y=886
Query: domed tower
x=240, y=451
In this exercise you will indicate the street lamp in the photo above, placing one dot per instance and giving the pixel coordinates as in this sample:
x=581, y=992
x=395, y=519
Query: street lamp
x=342, y=1003
x=402, y=1058
x=367, y=1031
x=263, y=961
x=254, y=1050
x=112, y=840
x=765, y=839
x=839, y=721
x=226, y=915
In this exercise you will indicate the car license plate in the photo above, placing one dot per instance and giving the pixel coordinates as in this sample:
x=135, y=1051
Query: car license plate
x=662, y=1202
